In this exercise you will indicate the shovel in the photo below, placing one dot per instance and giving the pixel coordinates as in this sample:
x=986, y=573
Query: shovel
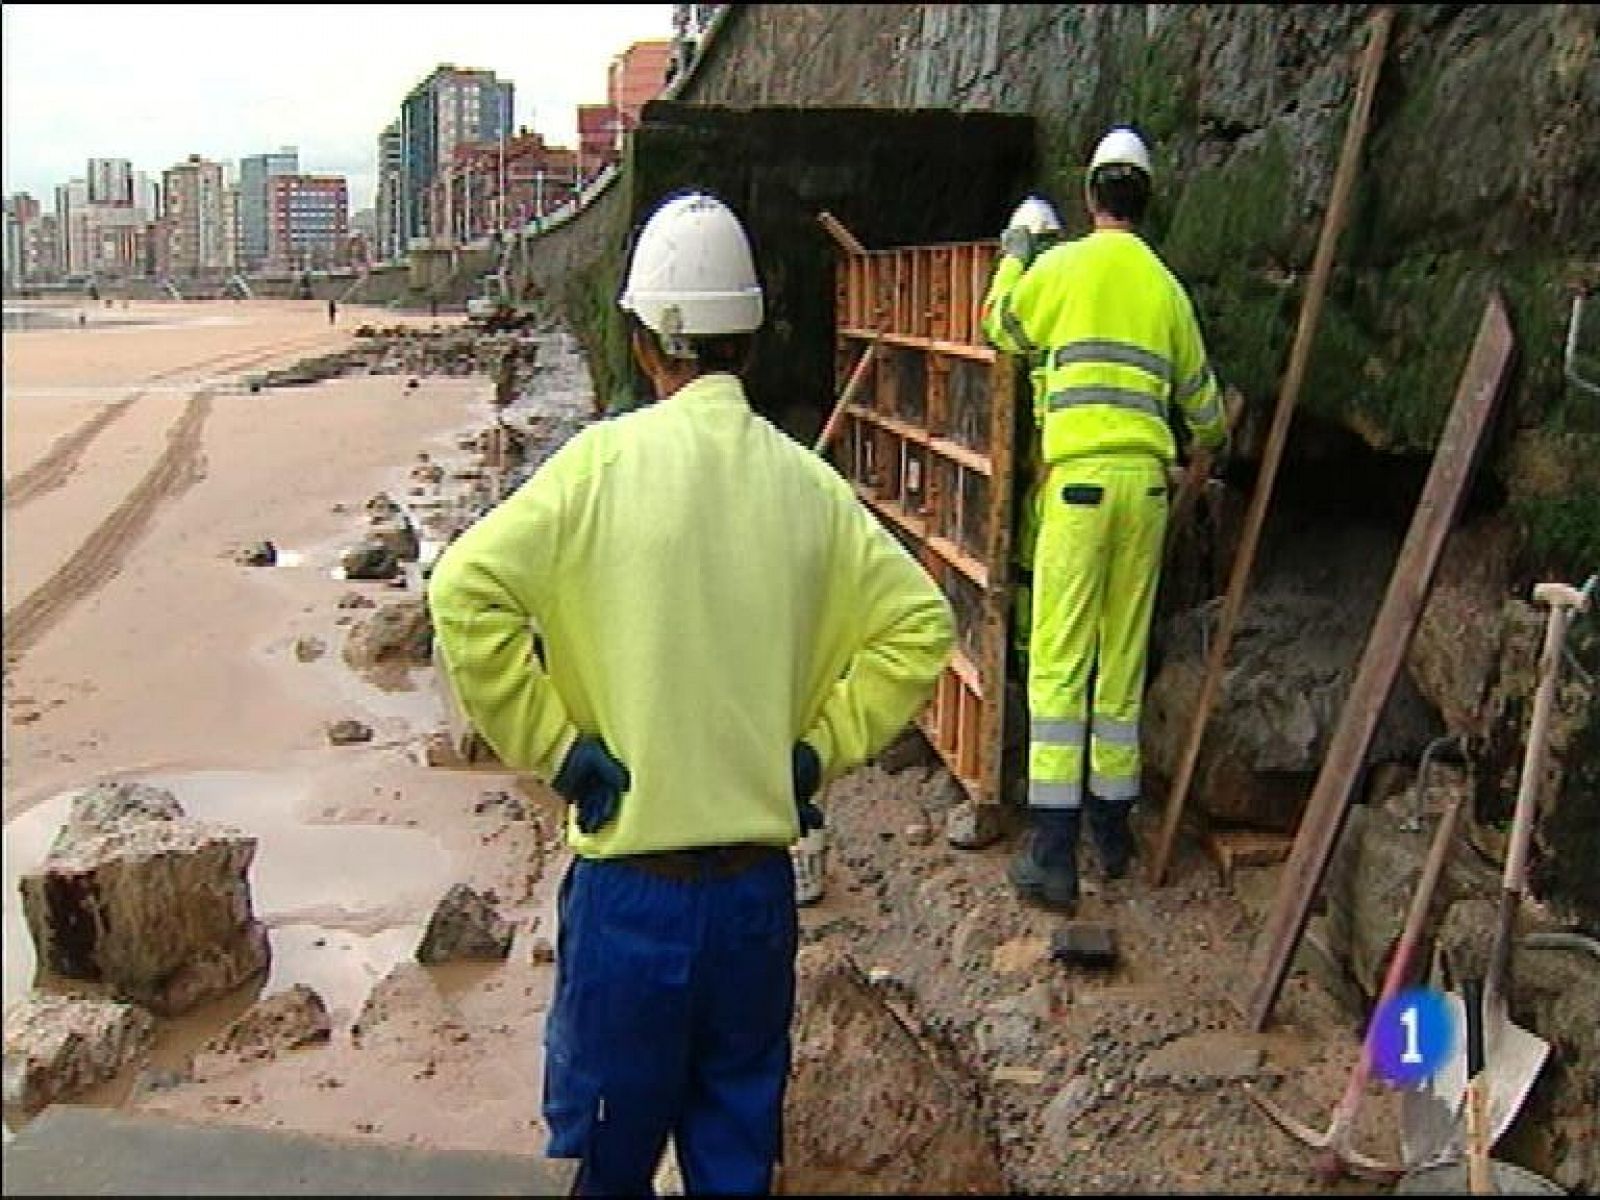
x=1431, y=1115
x=1484, y=1176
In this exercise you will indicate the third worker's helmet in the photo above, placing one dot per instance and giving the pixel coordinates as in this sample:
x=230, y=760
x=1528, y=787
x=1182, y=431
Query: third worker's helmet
x=1121, y=146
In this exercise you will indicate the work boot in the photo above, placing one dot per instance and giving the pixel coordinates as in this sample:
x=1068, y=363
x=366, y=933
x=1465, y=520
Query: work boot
x=1044, y=870
x=1113, y=840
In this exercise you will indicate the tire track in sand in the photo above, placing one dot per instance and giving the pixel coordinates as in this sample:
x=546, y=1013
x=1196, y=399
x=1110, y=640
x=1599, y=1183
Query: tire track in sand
x=61, y=460
x=101, y=555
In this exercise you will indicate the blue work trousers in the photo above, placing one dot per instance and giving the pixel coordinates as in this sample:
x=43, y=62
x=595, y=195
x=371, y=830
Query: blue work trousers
x=671, y=1017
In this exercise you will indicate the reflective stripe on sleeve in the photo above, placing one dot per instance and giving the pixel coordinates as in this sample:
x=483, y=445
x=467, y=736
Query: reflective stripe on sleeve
x=1013, y=326
x=1195, y=382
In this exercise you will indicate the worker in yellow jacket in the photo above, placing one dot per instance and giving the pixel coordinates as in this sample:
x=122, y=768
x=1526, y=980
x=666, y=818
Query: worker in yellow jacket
x=1123, y=358
x=687, y=622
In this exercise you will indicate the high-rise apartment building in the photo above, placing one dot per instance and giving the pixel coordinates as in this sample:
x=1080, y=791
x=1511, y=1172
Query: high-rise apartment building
x=308, y=219
x=254, y=173
x=72, y=226
x=388, y=241
x=636, y=77
x=597, y=138
x=193, y=208
x=111, y=182
x=146, y=195
x=22, y=213
x=450, y=108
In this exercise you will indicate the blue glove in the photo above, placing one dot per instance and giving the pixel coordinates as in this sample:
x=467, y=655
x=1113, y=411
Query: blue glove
x=594, y=781
x=1018, y=243
x=806, y=770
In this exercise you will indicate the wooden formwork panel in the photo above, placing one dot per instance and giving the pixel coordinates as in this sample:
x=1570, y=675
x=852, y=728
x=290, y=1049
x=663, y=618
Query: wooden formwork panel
x=927, y=445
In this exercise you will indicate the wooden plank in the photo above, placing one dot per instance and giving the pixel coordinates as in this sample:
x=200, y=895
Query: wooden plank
x=996, y=610
x=846, y=398
x=960, y=560
x=969, y=460
x=1385, y=651
x=903, y=430
x=1231, y=849
x=839, y=233
x=1244, y=556
x=983, y=354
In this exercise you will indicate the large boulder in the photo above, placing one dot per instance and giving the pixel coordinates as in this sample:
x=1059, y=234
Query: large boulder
x=56, y=1046
x=155, y=904
x=396, y=634
x=1452, y=655
x=898, y=1120
x=1281, y=699
x=466, y=924
x=1566, y=832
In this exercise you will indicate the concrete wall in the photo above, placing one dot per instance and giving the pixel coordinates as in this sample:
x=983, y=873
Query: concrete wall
x=891, y=177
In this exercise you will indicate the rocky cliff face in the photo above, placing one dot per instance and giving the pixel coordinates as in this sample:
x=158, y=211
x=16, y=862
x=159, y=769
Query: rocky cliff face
x=1481, y=169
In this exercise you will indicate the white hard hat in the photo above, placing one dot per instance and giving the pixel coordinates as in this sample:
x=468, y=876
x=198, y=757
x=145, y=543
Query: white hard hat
x=1036, y=215
x=1121, y=145
x=692, y=272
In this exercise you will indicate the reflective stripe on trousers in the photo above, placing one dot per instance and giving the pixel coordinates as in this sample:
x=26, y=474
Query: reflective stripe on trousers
x=1096, y=566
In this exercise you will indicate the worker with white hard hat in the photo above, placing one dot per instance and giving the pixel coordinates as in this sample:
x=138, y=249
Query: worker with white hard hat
x=1114, y=336
x=687, y=623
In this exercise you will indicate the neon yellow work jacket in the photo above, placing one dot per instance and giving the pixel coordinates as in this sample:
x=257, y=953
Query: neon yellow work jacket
x=705, y=592
x=1119, y=346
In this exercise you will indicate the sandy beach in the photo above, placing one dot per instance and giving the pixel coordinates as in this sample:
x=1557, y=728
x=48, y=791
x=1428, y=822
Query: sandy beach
x=137, y=464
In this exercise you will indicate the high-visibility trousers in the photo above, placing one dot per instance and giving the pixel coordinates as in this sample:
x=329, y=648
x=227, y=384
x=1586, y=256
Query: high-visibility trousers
x=1097, y=564
x=1022, y=556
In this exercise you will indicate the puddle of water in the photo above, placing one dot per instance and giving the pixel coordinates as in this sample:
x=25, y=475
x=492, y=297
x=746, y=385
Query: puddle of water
x=342, y=903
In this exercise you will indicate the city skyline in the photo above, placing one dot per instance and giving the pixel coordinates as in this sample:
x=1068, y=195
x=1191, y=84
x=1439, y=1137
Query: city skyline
x=106, y=106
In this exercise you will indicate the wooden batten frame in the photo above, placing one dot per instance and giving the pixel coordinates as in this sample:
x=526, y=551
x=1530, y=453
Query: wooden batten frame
x=927, y=443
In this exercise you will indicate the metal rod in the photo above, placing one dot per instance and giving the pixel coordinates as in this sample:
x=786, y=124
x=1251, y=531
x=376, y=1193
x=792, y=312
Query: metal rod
x=1572, y=347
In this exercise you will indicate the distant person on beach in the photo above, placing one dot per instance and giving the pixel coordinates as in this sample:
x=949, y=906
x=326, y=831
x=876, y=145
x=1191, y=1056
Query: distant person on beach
x=333, y=311
x=686, y=622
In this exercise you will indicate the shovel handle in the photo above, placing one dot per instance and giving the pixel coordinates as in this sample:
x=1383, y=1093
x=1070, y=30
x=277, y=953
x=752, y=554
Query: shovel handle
x=1480, y=1174
x=1563, y=601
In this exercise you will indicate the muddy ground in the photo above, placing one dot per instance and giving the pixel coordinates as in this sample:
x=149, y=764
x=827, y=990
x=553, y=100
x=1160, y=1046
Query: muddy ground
x=1131, y=1080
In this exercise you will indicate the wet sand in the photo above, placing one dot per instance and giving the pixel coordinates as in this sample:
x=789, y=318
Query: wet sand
x=136, y=464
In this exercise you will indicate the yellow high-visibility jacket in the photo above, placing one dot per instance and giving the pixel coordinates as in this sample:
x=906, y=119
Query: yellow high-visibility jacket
x=705, y=592
x=1120, y=346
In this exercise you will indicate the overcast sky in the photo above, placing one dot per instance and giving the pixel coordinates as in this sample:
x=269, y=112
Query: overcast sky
x=154, y=83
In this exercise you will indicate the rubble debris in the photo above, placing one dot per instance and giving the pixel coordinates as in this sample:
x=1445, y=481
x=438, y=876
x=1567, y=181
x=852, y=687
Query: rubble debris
x=257, y=554
x=296, y=1016
x=56, y=1046
x=155, y=904
x=465, y=925
x=348, y=731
